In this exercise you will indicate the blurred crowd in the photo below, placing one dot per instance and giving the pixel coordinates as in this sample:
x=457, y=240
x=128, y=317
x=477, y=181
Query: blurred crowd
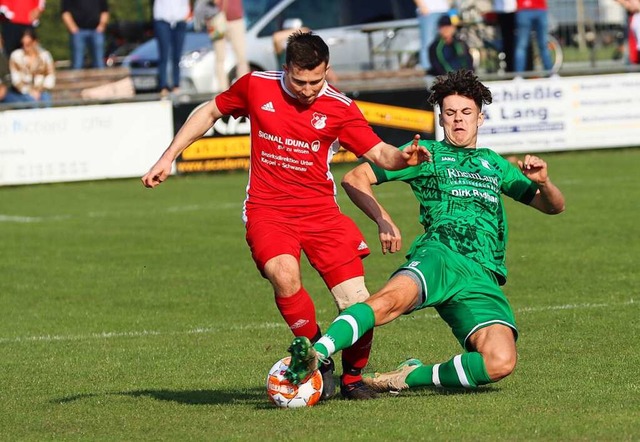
x=27, y=72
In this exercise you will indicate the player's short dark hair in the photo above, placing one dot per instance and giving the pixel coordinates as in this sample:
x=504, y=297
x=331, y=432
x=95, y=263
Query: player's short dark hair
x=306, y=50
x=462, y=82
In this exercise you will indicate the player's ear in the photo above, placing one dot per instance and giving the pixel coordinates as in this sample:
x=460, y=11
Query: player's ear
x=480, y=119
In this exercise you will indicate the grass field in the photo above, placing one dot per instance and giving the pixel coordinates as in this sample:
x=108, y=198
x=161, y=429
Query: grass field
x=130, y=314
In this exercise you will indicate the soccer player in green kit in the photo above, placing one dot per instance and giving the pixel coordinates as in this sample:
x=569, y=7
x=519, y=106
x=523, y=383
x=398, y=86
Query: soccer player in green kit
x=458, y=264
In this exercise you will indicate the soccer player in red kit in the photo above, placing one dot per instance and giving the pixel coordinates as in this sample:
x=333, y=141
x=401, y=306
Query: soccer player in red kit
x=296, y=121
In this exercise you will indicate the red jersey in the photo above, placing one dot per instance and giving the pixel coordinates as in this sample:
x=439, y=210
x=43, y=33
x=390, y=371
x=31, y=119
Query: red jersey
x=17, y=11
x=292, y=144
x=532, y=4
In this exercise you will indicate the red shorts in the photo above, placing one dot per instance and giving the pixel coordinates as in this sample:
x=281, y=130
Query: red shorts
x=331, y=241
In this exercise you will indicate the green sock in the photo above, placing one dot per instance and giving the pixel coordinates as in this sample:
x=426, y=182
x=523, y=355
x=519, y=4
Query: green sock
x=465, y=370
x=346, y=329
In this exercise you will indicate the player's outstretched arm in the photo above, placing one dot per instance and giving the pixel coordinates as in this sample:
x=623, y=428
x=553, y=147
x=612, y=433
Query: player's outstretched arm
x=193, y=129
x=549, y=199
x=391, y=158
x=358, y=185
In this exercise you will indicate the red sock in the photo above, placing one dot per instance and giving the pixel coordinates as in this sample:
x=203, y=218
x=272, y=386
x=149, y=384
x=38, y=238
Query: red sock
x=355, y=358
x=299, y=313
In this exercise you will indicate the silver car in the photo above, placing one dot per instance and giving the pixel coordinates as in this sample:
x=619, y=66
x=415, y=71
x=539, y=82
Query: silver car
x=361, y=34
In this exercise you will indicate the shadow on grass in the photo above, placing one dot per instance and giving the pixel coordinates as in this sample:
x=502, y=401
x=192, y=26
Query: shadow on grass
x=437, y=391
x=254, y=396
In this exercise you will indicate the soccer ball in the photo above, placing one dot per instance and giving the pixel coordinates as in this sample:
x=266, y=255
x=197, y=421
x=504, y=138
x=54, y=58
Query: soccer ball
x=284, y=394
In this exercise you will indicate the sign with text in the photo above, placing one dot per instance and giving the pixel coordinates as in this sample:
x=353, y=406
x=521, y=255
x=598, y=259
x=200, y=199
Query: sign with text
x=82, y=143
x=562, y=114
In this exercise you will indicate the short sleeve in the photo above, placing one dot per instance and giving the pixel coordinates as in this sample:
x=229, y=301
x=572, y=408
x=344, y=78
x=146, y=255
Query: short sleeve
x=356, y=135
x=514, y=183
x=234, y=101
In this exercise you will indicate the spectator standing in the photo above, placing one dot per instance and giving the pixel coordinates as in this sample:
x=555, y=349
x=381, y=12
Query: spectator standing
x=634, y=37
x=86, y=21
x=506, y=12
x=632, y=29
x=20, y=15
x=236, y=35
x=429, y=12
x=531, y=15
x=170, y=28
x=32, y=70
x=448, y=53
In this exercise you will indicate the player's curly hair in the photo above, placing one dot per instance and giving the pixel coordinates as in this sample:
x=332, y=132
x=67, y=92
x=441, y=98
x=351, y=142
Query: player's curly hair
x=462, y=82
x=306, y=50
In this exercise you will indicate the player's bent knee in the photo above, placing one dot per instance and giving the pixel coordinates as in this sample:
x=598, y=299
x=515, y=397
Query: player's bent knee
x=350, y=292
x=500, y=364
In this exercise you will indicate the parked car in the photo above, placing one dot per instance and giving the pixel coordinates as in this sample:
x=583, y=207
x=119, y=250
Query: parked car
x=361, y=35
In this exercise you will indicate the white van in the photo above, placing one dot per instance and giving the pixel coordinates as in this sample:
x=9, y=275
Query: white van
x=361, y=35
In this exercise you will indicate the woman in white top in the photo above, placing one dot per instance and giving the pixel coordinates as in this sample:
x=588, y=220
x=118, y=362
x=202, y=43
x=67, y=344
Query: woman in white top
x=170, y=28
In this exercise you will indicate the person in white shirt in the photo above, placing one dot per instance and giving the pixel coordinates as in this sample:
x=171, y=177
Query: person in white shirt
x=170, y=28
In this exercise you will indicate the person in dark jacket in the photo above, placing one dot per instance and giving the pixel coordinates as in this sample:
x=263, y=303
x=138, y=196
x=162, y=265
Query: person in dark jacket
x=448, y=53
x=86, y=21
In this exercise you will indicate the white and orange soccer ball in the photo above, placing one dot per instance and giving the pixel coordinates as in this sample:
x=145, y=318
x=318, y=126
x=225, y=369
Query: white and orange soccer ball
x=284, y=394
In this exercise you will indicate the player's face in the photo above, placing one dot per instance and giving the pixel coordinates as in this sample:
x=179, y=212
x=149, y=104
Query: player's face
x=305, y=84
x=460, y=118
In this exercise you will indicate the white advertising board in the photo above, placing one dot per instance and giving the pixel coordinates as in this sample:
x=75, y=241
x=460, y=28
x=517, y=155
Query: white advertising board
x=566, y=113
x=82, y=143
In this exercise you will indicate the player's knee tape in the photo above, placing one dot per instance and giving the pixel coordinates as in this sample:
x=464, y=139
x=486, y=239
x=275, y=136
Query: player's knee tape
x=350, y=292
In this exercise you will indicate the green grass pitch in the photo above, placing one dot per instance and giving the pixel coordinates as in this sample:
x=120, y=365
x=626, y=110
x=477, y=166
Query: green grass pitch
x=131, y=314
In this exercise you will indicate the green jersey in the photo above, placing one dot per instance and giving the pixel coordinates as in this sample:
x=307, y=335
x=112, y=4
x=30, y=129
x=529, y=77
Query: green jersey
x=460, y=200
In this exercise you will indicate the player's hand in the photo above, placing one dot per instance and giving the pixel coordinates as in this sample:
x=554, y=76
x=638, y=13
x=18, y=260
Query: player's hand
x=390, y=237
x=416, y=154
x=157, y=174
x=534, y=168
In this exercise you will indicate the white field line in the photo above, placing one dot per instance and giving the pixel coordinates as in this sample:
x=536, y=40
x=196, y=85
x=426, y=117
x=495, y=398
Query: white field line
x=269, y=325
x=172, y=209
x=30, y=219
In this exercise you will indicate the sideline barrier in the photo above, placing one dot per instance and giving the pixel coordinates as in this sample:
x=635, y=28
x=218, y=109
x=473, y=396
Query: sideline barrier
x=123, y=140
x=395, y=116
x=82, y=143
x=565, y=113
x=526, y=116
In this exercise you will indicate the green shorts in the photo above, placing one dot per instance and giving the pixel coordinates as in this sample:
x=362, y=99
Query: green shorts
x=465, y=294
